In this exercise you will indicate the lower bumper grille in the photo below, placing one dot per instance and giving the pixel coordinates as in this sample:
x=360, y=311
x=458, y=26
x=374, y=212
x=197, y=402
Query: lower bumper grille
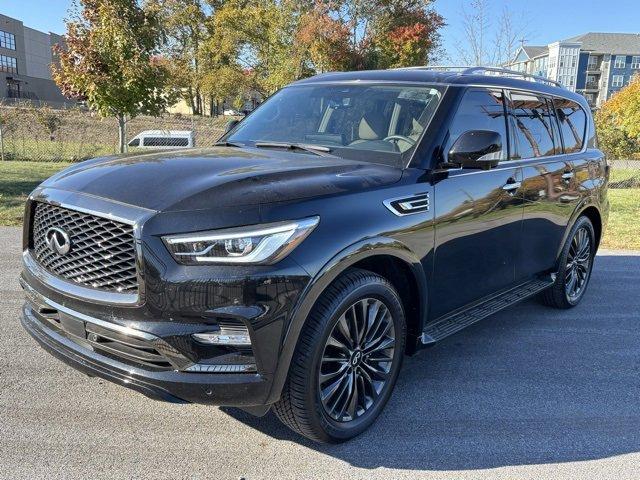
x=123, y=347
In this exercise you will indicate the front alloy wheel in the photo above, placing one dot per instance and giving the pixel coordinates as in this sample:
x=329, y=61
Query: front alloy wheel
x=347, y=359
x=357, y=360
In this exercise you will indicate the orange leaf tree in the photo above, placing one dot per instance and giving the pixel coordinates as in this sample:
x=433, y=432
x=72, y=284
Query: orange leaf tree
x=110, y=60
x=618, y=122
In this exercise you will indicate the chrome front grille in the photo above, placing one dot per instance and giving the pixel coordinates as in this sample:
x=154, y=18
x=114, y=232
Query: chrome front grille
x=102, y=253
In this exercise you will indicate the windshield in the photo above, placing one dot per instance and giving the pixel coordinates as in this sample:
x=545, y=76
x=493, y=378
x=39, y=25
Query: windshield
x=376, y=123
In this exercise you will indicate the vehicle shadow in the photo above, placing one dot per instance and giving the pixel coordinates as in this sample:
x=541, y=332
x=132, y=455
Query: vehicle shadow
x=529, y=385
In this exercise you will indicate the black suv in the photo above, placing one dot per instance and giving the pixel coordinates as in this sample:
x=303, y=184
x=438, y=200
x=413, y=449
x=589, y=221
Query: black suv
x=351, y=219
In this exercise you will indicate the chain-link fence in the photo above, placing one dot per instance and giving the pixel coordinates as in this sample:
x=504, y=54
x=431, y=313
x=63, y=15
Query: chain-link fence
x=625, y=173
x=40, y=133
x=31, y=133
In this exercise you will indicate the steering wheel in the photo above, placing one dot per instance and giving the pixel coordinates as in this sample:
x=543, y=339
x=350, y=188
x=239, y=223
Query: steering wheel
x=409, y=140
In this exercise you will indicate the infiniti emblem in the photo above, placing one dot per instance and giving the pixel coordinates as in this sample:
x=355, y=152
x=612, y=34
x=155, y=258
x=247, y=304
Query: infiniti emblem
x=355, y=359
x=58, y=240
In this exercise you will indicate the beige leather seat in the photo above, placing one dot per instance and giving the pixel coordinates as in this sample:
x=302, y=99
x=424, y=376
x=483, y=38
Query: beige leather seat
x=365, y=132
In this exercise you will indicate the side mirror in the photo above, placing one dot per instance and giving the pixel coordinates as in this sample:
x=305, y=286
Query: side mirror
x=229, y=126
x=477, y=149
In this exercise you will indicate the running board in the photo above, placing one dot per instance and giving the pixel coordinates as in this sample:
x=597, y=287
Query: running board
x=456, y=321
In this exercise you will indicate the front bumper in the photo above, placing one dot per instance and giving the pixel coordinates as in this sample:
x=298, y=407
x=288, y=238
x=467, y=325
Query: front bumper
x=246, y=389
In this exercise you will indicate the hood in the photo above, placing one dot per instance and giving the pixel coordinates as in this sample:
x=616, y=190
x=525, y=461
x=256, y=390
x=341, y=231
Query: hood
x=218, y=177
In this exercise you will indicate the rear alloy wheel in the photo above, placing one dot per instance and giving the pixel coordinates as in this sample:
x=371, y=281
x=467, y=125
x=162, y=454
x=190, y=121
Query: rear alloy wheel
x=576, y=262
x=347, y=360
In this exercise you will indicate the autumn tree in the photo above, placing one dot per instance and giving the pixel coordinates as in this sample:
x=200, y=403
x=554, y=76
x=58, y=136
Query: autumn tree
x=488, y=38
x=184, y=28
x=359, y=35
x=110, y=60
x=325, y=40
x=618, y=122
x=263, y=33
x=406, y=33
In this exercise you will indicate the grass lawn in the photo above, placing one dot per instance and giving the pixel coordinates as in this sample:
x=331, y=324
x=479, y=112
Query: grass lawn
x=623, y=231
x=17, y=179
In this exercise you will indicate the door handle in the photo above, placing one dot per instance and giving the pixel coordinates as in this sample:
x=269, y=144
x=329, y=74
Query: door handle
x=567, y=175
x=511, y=186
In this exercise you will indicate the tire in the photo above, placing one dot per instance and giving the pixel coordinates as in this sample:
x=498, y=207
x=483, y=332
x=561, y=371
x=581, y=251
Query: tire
x=323, y=347
x=573, y=267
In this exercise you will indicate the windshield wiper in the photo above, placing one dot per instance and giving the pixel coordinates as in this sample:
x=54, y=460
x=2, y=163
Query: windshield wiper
x=227, y=144
x=315, y=149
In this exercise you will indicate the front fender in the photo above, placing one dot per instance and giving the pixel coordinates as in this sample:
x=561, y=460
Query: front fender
x=371, y=247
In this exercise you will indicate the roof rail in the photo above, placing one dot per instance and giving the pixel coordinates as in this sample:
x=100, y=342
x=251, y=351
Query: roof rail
x=466, y=70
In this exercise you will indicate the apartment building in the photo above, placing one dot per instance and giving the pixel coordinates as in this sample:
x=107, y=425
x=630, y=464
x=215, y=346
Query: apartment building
x=25, y=60
x=594, y=64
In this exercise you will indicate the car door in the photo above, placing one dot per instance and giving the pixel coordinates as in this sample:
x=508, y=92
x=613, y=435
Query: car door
x=478, y=214
x=550, y=185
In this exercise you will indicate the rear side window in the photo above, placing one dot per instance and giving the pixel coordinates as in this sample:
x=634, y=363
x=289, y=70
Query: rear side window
x=165, y=142
x=573, y=121
x=480, y=110
x=532, y=126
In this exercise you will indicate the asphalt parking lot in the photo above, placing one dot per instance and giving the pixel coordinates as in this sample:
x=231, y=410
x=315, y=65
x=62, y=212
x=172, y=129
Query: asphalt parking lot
x=529, y=393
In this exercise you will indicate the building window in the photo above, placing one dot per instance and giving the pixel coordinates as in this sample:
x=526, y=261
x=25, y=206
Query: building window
x=620, y=62
x=8, y=64
x=7, y=40
x=618, y=81
x=635, y=62
x=592, y=64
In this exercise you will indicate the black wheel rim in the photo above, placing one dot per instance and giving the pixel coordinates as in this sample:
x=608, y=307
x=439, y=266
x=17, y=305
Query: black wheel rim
x=357, y=360
x=578, y=264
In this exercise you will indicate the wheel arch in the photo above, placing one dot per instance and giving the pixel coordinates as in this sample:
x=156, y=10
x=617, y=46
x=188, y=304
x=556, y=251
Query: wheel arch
x=373, y=254
x=592, y=212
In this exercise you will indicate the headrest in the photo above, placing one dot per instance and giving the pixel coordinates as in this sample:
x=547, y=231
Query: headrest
x=370, y=128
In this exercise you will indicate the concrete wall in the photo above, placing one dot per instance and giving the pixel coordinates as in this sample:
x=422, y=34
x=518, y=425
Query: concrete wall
x=34, y=57
x=37, y=48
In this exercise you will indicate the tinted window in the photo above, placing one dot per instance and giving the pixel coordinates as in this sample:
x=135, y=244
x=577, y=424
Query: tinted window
x=532, y=126
x=165, y=142
x=135, y=142
x=375, y=123
x=573, y=121
x=480, y=110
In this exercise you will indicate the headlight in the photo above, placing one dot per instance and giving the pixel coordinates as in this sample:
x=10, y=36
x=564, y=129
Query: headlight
x=257, y=244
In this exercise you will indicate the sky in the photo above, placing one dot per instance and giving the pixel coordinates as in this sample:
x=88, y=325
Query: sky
x=548, y=20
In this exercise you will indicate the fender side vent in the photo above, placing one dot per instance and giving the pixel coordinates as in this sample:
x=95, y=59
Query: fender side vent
x=408, y=205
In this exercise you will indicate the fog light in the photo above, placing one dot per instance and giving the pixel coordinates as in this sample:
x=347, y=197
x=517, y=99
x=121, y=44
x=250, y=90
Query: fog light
x=223, y=337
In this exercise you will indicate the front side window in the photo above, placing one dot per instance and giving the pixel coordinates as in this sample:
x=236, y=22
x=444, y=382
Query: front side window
x=617, y=81
x=572, y=121
x=620, y=61
x=480, y=109
x=532, y=126
x=7, y=40
x=376, y=123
